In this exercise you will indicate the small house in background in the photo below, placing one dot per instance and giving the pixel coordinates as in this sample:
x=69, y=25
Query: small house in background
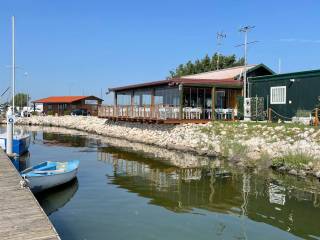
x=288, y=95
x=64, y=105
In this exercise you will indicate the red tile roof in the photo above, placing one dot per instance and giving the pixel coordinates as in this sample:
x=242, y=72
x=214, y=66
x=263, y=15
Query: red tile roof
x=62, y=99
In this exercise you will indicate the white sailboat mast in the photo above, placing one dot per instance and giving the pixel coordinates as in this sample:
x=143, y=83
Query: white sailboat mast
x=13, y=65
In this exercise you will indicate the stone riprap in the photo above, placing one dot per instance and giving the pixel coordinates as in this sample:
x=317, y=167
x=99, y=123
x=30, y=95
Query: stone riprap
x=287, y=147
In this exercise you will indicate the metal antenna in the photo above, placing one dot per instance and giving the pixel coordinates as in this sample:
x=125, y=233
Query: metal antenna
x=245, y=30
x=279, y=66
x=5, y=91
x=220, y=36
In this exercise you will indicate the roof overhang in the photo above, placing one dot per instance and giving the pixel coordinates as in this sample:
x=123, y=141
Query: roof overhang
x=231, y=83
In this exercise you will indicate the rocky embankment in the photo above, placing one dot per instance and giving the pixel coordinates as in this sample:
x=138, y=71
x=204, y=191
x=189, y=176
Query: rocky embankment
x=289, y=148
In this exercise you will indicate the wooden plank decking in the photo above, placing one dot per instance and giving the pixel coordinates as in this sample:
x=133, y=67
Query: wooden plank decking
x=21, y=217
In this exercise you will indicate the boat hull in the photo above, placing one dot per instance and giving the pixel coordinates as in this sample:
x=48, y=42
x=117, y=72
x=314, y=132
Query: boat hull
x=19, y=145
x=41, y=183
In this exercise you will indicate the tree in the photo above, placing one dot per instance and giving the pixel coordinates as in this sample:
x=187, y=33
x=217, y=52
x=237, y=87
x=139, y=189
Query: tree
x=206, y=64
x=21, y=100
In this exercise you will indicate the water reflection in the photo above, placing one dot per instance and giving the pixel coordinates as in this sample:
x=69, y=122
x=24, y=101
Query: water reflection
x=73, y=138
x=24, y=161
x=185, y=184
x=54, y=199
x=262, y=199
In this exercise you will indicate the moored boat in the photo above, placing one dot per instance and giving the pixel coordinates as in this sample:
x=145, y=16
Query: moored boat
x=50, y=174
x=20, y=143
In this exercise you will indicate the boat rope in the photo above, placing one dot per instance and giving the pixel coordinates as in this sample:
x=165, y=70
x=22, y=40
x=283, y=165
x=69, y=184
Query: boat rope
x=24, y=182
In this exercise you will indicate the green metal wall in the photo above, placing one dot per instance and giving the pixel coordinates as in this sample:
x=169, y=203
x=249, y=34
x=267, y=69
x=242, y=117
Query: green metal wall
x=303, y=91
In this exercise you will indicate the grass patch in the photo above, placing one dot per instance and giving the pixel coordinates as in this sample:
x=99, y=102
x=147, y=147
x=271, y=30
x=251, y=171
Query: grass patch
x=233, y=149
x=296, y=161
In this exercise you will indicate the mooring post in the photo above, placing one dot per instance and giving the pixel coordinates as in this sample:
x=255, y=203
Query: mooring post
x=316, y=117
x=10, y=121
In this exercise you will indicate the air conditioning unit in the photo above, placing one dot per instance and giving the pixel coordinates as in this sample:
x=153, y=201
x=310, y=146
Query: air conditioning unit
x=247, y=107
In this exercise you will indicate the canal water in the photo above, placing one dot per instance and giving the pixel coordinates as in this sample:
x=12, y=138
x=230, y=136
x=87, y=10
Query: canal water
x=130, y=191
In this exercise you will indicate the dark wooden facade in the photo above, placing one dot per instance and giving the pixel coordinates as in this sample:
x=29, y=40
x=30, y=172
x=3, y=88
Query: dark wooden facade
x=66, y=104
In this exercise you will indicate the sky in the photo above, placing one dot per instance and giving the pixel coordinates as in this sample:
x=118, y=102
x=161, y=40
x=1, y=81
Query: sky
x=82, y=47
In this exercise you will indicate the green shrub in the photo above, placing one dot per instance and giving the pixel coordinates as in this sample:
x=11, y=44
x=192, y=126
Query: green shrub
x=50, y=112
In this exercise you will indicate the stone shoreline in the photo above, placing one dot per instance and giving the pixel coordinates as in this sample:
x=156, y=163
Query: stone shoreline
x=289, y=148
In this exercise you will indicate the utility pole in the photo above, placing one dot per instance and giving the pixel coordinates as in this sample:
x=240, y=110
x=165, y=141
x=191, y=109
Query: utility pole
x=220, y=36
x=246, y=94
x=245, y=30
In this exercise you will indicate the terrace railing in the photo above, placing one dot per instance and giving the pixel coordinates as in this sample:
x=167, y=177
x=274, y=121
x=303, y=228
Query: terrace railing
x=161, y=112
x=154, y=112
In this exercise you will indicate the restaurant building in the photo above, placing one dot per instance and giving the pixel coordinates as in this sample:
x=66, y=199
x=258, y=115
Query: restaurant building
x=193, y=98
x=64, y=105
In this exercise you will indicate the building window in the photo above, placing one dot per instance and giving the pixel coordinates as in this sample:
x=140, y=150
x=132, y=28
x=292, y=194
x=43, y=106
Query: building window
x=90, y=102
x=158, y=100
x=136, y=100
x=146, y=99
x=278, y=95
x=220, y=99
x=123, y=99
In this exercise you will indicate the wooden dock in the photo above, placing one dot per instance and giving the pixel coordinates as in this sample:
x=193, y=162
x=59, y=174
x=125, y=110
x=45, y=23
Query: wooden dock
x=21, y=216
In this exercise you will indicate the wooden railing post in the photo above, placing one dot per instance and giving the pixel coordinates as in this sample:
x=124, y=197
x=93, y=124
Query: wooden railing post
x=316, y=118
x=269, y=115
x=213, y=103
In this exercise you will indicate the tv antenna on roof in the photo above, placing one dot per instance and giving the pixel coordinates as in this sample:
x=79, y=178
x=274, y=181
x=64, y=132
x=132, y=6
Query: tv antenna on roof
x=220, y=36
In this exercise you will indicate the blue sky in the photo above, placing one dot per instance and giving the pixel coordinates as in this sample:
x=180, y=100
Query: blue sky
x=82, y=47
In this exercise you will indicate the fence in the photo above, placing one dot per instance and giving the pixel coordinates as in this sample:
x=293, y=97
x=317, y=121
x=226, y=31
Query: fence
x=314, y=116
x=160, y=112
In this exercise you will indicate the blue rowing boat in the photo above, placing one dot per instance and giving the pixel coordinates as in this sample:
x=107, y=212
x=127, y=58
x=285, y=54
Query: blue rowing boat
x=50, y=174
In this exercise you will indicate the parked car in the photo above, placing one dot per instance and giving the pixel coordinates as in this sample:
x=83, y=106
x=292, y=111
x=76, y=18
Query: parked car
x=25, y=114
x=80, y=112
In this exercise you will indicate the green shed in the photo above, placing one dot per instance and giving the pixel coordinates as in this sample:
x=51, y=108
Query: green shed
x=287, y=93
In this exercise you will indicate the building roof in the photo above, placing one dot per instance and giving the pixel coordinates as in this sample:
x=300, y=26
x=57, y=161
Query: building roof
x=184, y=81
x=196, y=81
x=226, y=73
x=224, y=77
x=308, y=73
x=64, y=99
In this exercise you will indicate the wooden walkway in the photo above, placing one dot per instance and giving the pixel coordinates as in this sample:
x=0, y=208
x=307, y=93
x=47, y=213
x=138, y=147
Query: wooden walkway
x=21, y=217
